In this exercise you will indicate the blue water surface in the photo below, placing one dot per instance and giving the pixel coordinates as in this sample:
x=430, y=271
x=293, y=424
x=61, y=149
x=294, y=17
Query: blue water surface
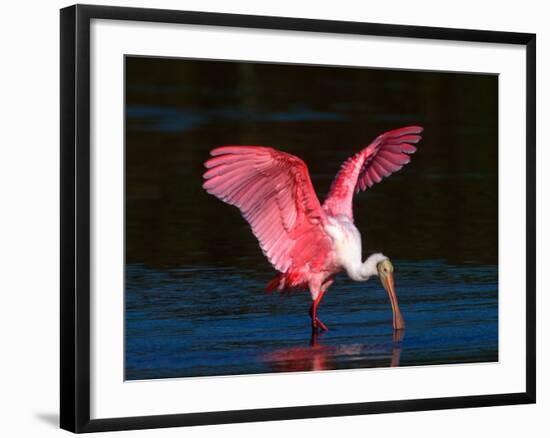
x=202, y=321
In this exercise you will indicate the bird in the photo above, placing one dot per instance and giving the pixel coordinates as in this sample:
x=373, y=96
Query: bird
x=307, y=242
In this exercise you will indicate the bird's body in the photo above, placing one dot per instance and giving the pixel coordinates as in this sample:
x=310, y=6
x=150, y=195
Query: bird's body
x=309, y=243
x=344, y=255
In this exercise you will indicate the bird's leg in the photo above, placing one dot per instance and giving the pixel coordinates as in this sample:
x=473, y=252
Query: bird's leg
x=315, y=321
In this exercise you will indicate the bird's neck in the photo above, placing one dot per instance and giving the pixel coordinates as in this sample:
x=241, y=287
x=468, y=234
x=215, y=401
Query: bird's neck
x=347, y=248
x=363, y=271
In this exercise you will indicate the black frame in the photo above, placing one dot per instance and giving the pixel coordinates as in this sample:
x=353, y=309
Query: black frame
x=75, y=217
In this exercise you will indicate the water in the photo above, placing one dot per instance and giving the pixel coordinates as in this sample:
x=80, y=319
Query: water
x=195, y=278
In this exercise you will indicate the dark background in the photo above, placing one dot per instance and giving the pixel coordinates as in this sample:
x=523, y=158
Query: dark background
x=195, y=271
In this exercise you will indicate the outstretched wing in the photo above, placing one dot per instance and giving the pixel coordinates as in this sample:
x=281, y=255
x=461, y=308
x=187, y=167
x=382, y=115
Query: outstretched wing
x=274, y=192
x=387, y=154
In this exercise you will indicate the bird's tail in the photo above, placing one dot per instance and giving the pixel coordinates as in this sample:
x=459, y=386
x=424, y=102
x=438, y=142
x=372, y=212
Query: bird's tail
x=276, y=283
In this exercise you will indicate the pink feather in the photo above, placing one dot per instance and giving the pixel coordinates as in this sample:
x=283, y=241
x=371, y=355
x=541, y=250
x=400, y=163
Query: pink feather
x=387, y=154
x=273, y=190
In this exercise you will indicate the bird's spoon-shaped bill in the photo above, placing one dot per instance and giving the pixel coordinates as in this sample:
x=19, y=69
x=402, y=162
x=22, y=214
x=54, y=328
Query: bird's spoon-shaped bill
x=387, y=282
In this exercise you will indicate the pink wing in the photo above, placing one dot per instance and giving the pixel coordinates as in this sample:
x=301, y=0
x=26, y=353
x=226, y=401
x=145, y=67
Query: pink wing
x=273, y=190
x=387, y=154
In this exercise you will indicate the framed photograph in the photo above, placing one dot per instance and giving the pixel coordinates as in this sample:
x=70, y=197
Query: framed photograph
x=269, y=218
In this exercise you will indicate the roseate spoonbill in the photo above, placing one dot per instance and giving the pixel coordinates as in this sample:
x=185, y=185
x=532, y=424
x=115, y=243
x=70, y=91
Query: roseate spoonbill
x=309, y=243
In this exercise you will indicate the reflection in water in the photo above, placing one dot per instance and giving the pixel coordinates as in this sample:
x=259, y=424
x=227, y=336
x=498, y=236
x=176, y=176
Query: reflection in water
x=318, y=357
x=194, y=283
x=315, y=357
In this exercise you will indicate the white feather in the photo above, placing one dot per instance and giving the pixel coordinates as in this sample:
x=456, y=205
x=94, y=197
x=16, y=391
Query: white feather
x=347, y=246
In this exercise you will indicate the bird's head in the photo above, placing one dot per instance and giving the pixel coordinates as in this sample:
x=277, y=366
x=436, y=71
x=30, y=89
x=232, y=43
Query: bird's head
x=385, y=273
